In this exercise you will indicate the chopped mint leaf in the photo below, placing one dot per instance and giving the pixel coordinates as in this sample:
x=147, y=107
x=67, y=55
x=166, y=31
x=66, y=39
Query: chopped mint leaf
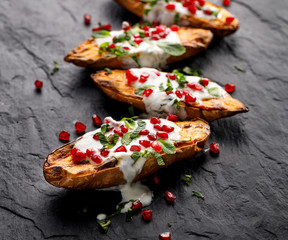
x=101, y=34
x=173, y=49
x=134, y=57
x=102, y=138
x=104, y=128
x=141, y=126
x=192, y=72
x=169, y=224
x=187, y=179
x=167, y=147
x=112, y=140
x=129, y=122
x=56, y=68
x=126, y=139
x=108, y=70
x=161, y=88
x=135, y=155
x=214, y=91
x=157, y=156
x=104, y=225
x=197, y=194
x=239, y=68
x=131, y=111
x=176, y=18
x=169, y=87
x=129, y=215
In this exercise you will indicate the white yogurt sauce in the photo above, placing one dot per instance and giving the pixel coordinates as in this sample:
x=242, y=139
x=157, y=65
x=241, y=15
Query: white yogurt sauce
x=147, y=52
x=160, y=14
x=159, y=103
x=130, y=168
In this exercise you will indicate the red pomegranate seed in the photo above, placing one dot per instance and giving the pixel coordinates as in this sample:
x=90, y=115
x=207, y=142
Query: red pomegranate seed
x=78, y=157
x=170, y=7
x=90, y=152
x=190, y=99
x=147, y=215
x=201, y=2
x=106, y=121
x=158, y=127
x=157, y=74
x=230, y=19
x=154, y=38
x=96, y=29
x=170, y=197
x=163, y=35
x=138, y=40
x=106, y=27
x=226, y=3
x=136, y=35
x=167, y=129
x=145, y=143
x=121, y=148
x=147, y=34
x=204, y=82
x=178, y=93
x=156, y=180
x=130, y=77
x=192, y=9
x=154, y=32
x=124, y=129
x=163, y=135
x=165, y=236
x=230, y=87
x=74, y=150
x=80, y=127
x=95, y=136
x=144, y=132
x=64, y=136
x=144, y=76
x=195, y=86
x=126, y=26
x=146, y=28
x=147, y=92
x=96, y=120
x=126, y=48
x=161, y=28
x=152, y=137
x=185, y=92
x=172, y=117
x=168, y=93
x=155, y=23
x=137, y=205
x=174, y=28
x=87, y=18
x=135, y=148
x=118, y=132
x=207, y=12
x=105, y=152
x=156, y=146
x=172, y=76
x=96, y=158
x=112, y=45
x=38, y=84
x=214, y=147
x=186, y=4
x=155, y=120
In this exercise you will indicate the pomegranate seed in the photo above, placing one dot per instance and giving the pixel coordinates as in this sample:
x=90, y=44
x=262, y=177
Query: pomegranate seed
x=185, y=92
x=170, y=7
x=230, y=87
x=87, y=18
x=118, y=132
x=172, y=76
x=144, y=76
x=201, y=2
x=90, y=152
x=38, y=84
x=163, y=35
x=106, y=121
x=167, y=129
x=137, y=35
x=152, y=137
x=106, y=27
x=178, y=93
x=146, y=28
x=155, y=120
x=126, y=48
x=204, y=82
x=155, y=23
x=121, y=148
x=105, y=152
x=174, y=28
x=207, y=12
x=144, y=132
x=186, y=4
x=124, y=129
x=147, y=215
x=192, y=9
x=130, y=77
x=165, y=236
x=96, y=158
x=95, y=136
x=126, y=26
x=163, y=135
x=154, y=38
x=226, y=3
x=96, y=120
x=230, y=19
x=156, y=146
x=195, y=86
x=147, y=34
x=78, y=157
x=214, y=147
x=190, y=99
x=80, y=127
x=172, y=117
x=145, y=143
x=158, y=127
x=137, y=205
x=96, y=29
x=156, y=180
x=64, y=136
x=157, y=74
x=147, y=92
x=161, y=28
x=168, y=93
x=170, y=197
x=138, y=40
x=74, y=150
x=135, y=148
x=112, y=45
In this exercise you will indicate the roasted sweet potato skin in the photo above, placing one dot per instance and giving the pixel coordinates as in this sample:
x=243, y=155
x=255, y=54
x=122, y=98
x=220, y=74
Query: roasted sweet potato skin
x=87, y=53
x=60, y=171
x=114, y=85
x=217, y=26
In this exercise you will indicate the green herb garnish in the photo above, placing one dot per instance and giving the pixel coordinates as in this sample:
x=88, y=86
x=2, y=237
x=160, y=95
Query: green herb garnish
x=129, y=215
x=104, y=224
x=173, y=49
x=135, y=155
x=129, y=122
x=176, y=18
x=213, y=91
x=180, y=78
x=126, y=139
x=105, y=128
x=112, y=140
x=134, y=57
x=169, y=224
x=56, y=68
x=141, y=126
x=131, y=111
x=187, y=179
x=192, y=72
x=157, y=156
x=108, y=70
x=167, y=147
x=197, y=194
x=102, y=138
x=169, y=86
x=161, y=88
x=239, y=68
x=101, y=34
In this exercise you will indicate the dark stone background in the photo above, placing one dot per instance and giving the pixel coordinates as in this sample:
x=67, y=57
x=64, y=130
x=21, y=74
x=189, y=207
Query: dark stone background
x=245, y=187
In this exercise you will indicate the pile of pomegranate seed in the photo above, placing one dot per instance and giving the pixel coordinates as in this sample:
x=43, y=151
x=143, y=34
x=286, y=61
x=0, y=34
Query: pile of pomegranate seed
x=147, y=215
x=230, y=87
x=38, y=84
x=64, y=136
x=214, y=147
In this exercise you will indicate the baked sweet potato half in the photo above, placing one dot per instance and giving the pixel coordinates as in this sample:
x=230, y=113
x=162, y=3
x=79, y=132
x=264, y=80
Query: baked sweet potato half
x=199, y=14
x=66, y=167
x=167, y=93
x=146, y=47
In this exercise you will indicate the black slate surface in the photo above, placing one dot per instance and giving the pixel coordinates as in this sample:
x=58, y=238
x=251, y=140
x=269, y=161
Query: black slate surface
x=245, y=187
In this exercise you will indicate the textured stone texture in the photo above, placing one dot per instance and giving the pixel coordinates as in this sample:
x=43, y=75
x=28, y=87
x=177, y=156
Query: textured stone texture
x=245, y=187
